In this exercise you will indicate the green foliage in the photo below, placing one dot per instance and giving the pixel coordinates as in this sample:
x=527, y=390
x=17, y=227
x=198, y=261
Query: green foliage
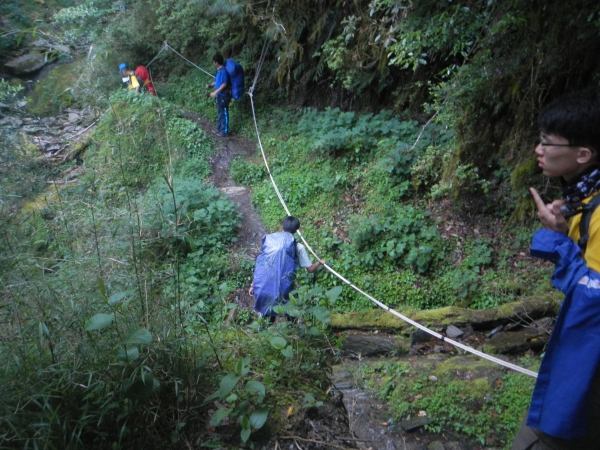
x=8, y=92
x=501, y=411
x=247, y=173
x=190, y=92
x=150, y=136
x=176, y=17
x=99, y=351
x=476, y=408
x=381, y=235
x=344, y=134
x=57, y=90
x=244, y=403
x=465, y=278
x=278, y=360
x=310, y=307
x=188, y=215
x=82, y=15
x=396, y=233
x=14, y=13
x=134, y=154
x=195, y=216
x=187, y=136
x=404, y=148
x=112, y=308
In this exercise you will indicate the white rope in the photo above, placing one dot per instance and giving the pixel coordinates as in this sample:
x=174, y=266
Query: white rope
x=374, y=300
x=153, y=59
x=197, y=67
x=259, y=67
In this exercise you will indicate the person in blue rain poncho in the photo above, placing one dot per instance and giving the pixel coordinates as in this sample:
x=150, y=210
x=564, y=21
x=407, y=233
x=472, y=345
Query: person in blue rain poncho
x=276, y=267
x=564, y=412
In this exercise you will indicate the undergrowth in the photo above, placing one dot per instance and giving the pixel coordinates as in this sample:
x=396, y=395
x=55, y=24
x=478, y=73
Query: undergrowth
x=453, y=396
x=370, y=190
x=117, y=298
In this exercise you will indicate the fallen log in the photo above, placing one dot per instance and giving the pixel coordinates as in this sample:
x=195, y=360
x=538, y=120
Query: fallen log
x=526, y=310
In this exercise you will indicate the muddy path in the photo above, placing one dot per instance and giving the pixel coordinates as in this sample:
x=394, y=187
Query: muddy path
x=252, y=229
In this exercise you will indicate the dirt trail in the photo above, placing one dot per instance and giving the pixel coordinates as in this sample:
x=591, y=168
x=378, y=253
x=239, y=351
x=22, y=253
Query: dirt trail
x=252, y=229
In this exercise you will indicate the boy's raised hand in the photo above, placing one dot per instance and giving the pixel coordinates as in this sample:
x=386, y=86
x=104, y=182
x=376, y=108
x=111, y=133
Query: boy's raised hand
x=549, y=214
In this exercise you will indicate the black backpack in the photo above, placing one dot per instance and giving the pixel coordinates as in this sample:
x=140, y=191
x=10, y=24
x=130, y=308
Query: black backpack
x=587, y=211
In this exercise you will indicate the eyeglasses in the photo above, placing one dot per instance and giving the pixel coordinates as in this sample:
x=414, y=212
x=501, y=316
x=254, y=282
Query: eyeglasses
x=548, y=144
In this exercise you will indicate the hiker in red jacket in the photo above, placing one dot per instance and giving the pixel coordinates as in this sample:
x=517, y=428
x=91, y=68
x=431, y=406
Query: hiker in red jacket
x=142, y=74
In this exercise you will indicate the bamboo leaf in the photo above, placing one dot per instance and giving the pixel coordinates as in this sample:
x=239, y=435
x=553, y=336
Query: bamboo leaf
x=128, y=354
x=98, y=322
x=139, y=336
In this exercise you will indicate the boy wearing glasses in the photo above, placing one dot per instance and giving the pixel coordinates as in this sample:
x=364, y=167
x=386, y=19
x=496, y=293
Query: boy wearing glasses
x=565, y=407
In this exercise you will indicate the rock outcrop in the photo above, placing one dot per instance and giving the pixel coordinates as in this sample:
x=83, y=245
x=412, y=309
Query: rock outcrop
x=29, y=63
x=40, y=53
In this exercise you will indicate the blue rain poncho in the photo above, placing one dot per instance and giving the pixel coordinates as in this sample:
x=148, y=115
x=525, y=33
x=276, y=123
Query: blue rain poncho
x=275, y=271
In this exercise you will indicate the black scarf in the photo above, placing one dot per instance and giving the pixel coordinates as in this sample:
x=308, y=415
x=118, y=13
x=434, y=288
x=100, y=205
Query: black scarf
x=582, y=186
x=578, y=189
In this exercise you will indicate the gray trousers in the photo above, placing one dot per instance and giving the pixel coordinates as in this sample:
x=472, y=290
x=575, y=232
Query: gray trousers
x=528, y=438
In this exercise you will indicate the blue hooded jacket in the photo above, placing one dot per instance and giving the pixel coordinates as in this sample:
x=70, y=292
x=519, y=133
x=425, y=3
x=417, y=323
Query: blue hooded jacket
x=560, y=399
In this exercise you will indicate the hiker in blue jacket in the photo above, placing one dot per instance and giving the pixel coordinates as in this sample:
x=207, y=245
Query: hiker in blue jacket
x=565, y=407
x=222, y=93
x=276, y=267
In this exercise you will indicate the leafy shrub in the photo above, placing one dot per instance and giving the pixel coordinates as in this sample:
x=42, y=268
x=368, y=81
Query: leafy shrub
x=151, y=139
x=276, y=359
x=189, y=215
x=189, y=137
x=131, y=140
x=465, y=278
x=190, y=92
x=247, y=173
x=12, y=12
x=8, y=92
x=344, y=133
x=398, y=232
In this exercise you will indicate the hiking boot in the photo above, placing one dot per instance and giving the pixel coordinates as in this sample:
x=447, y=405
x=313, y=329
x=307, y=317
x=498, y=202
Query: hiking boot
x=219, y=134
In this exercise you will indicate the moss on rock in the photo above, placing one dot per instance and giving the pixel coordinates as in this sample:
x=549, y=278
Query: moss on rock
x=53, y=93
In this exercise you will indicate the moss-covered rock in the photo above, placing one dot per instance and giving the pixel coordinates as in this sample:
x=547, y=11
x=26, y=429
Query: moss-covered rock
x=53, y=93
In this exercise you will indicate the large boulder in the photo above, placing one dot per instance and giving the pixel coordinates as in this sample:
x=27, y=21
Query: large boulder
x=53, y=47
x=29, y=63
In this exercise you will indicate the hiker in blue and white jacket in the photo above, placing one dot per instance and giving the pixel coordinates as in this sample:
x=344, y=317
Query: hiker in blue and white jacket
x=565, y=407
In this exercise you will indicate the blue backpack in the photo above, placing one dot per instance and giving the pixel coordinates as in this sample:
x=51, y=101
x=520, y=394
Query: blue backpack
x=275, y=271
x=236, y=75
